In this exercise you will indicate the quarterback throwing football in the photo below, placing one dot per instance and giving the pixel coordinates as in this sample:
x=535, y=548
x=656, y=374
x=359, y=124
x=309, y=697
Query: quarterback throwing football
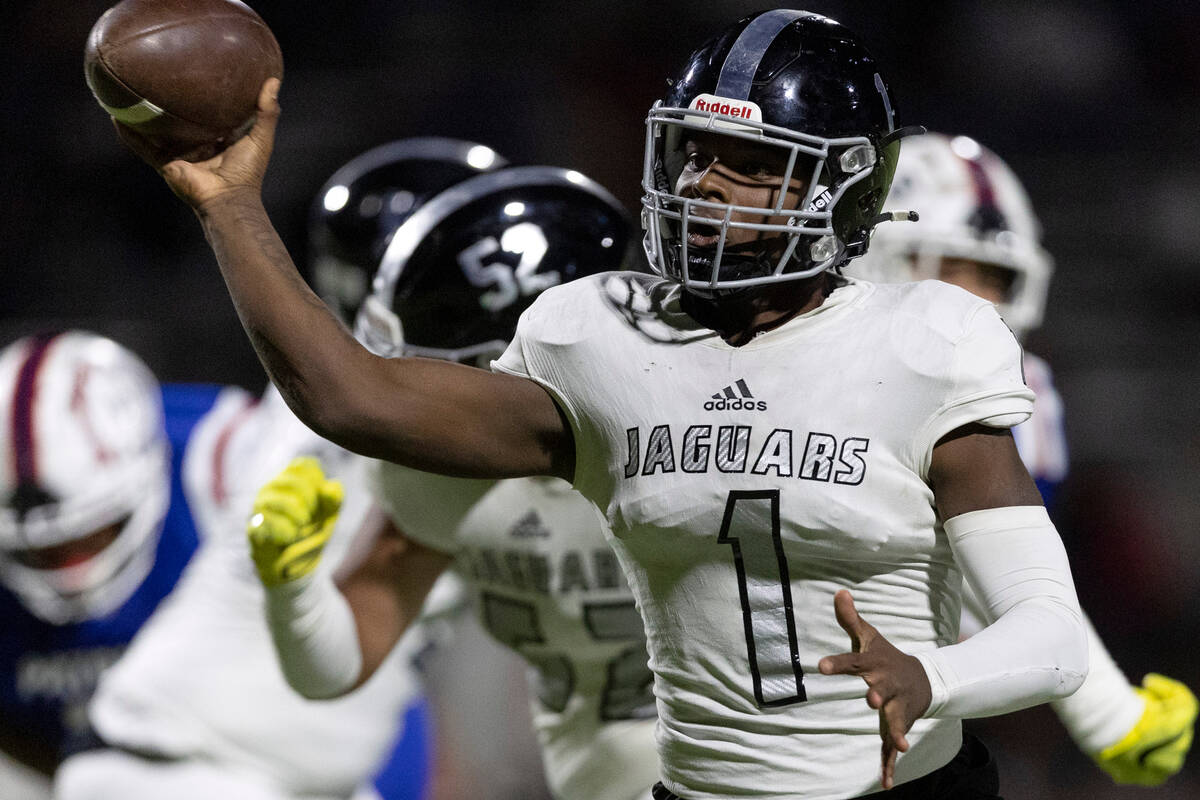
x=856, y=456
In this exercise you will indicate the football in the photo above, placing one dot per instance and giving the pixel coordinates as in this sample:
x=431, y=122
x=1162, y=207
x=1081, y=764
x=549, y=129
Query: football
x=184, y=73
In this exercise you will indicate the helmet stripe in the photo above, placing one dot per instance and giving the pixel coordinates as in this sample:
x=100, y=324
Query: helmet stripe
x=24, y=453
x=737, y=73
x=988, y=217
x=220, y=491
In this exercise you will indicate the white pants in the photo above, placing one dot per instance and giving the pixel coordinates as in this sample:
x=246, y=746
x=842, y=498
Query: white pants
x=116, y=775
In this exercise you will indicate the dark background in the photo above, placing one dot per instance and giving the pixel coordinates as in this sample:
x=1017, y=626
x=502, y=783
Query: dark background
x=1094, y=104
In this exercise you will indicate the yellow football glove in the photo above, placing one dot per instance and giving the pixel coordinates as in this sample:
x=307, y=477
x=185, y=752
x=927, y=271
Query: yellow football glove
x=293, y=516
x=1155, y=748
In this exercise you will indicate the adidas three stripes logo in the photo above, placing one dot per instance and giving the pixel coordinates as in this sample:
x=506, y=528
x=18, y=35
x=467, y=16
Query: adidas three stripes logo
x=735, y=397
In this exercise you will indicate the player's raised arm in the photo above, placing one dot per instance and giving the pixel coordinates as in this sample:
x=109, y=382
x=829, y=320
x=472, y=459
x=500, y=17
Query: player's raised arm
x=427, y=414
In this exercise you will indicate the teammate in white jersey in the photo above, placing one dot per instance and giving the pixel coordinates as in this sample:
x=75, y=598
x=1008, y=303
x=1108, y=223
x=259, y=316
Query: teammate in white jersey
x=198, y=706
x=856, y=446
x=977, y=230
x=452, y=285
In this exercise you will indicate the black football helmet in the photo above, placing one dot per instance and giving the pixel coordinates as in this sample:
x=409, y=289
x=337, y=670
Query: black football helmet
x=786, y=79
x=357, y=210
x=459, y=272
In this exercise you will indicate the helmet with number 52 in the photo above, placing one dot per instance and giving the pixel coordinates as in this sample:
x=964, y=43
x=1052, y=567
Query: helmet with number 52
x=84, y=478
x=363, y=203
x=458, y=273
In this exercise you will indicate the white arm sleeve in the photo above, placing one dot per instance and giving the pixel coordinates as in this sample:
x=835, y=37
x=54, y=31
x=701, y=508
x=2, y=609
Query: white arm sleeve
x=1036, y=650
x=1105, y=708
x=315, y=636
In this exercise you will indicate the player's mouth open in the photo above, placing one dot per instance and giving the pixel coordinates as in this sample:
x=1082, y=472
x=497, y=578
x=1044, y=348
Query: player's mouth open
x=702, y=233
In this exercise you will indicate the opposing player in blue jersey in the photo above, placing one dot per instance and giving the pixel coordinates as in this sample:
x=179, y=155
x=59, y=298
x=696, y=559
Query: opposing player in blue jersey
x=110, y=484
x=977, y=230
x=94, y=527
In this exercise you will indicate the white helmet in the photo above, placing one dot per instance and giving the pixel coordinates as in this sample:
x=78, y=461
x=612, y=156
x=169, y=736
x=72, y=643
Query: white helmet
x=84, y=474
x=971, y=207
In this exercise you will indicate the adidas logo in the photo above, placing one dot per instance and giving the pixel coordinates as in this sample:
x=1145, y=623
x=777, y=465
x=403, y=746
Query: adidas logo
x=735, y=397
x=529, y=527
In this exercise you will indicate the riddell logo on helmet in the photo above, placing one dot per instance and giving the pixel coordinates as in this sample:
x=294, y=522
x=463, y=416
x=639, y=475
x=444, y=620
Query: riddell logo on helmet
x=740, y=109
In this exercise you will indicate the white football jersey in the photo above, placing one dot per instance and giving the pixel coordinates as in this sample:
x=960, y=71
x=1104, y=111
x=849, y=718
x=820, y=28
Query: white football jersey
x=745, y=485
x=201, y=679
x=547, y=585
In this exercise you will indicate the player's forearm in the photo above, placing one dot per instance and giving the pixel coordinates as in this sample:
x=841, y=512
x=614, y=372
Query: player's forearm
x=1105, y=707
x=1036, y=650
x=315, y=636
x=424, y=413
x=305, y=350
x=386, y=595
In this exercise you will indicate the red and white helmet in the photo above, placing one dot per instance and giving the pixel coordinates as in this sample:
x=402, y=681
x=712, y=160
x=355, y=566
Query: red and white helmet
x=84, y=474
x=972, y=207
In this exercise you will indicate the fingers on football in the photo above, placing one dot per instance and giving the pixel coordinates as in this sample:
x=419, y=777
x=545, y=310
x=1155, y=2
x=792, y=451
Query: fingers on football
x=143, y=147
x=267, y=116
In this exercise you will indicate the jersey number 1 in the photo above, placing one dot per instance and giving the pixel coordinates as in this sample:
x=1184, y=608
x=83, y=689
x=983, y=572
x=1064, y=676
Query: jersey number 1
x=751, y=528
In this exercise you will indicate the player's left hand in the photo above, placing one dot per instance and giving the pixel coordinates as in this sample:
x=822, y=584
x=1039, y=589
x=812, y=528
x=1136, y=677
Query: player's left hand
x=896, y=682
x=1155, y=748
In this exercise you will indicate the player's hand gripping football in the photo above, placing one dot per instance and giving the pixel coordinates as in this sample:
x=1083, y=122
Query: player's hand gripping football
x=896, y=683
x=292, y=518
x=1155, y=748
x=240, y=167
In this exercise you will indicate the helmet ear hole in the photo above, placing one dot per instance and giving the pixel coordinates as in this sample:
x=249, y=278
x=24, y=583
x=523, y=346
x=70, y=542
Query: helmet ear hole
x=870, y=202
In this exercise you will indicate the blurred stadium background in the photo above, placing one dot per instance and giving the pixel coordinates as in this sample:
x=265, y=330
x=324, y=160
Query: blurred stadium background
x=1094, y=104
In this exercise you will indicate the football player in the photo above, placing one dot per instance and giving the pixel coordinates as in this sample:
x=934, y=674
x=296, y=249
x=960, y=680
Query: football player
x=109, y=482
x=93, y=533
x=977, y=230
x=451, y=286
x=768, y=441
x=198, y=707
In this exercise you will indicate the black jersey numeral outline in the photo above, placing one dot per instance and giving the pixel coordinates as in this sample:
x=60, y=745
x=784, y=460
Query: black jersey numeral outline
x=761, y=551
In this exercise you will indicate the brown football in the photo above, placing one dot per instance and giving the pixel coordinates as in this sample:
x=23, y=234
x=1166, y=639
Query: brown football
x=184, y=73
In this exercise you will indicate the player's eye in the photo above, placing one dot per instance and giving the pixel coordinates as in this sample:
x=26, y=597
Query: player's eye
x=760, y=171
x=697, y=160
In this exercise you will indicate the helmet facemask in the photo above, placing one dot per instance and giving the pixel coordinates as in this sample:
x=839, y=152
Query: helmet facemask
x=75, y=590
x=796, y=234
